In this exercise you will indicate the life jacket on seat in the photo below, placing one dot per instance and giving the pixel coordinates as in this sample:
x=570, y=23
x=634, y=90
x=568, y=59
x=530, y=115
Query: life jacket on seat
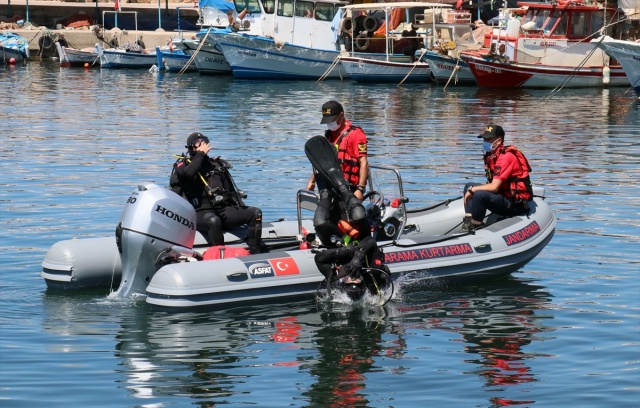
x=223, y=252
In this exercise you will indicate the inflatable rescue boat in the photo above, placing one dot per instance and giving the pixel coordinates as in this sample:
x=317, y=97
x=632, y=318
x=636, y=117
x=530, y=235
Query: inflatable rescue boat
x=156, y=246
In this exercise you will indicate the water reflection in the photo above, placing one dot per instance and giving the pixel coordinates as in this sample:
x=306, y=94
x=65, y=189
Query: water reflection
x=228, y=356
x=495, y=326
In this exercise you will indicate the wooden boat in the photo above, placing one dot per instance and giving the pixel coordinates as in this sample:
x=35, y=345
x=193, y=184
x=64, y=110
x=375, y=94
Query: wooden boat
x=126, y=56
x=291, y=43
x=69, y=57
x=384, y=50
x=548, y=48
x=156, y=233
x=13, y=48
x=453, y=36
x=208, y=59
x=174, y=59
x=627, y=53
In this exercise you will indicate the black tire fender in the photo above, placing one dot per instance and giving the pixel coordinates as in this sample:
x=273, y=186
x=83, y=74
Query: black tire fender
x=45, y=42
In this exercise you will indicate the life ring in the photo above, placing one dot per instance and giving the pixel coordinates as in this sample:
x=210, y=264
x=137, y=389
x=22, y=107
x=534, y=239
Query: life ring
x=362, y=42
x=347, y=25
x=370, y=23
x=45, y=42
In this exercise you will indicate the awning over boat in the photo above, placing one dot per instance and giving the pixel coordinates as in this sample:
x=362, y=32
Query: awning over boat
x=631, y=8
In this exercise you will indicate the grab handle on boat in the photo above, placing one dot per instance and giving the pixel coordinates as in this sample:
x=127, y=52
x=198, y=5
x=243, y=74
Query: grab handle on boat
x=237, y=276
x=483, y=246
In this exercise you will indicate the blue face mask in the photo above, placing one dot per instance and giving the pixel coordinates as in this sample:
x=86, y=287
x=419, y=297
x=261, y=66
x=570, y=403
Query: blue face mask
x=487, y=147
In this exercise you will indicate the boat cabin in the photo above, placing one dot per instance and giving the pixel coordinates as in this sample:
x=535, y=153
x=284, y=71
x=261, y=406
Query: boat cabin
x=392, y=28
x=551, y=33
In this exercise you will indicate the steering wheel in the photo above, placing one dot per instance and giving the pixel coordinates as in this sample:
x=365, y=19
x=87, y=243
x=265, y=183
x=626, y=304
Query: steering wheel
x=375, y=197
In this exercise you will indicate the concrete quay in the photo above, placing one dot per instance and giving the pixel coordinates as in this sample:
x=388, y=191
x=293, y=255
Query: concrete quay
x=45, y=15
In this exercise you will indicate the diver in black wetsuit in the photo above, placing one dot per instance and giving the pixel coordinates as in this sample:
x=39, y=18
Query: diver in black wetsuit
x=207, y=184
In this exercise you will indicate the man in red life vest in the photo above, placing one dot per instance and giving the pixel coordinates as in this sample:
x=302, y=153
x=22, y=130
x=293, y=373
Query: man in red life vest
x=351, y=144
x=508, y=189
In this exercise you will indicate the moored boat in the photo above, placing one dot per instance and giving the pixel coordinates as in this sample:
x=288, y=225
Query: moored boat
x=548, y=48
x=174, y=59
x=453, y=36
x=69, y=57
x=126, y=56
x=157, y=228
x=383, y=49
x=291, y=43
x=627, y=53
x=13, y=48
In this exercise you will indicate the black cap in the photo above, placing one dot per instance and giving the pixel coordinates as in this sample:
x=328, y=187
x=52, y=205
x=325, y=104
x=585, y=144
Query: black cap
x=194, y=137
x=330, y=111
x=492, y=131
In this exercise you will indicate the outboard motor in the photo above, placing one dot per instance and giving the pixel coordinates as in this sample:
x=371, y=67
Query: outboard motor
x=153, y=220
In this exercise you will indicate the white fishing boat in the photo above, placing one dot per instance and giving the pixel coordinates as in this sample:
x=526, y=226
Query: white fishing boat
x=627, y=53
x=548, y=48
x=70, y=57
x=454, y=34
x=174, y=59
x=207, y=57
x=156, y=236
x=295, y=40
x=383, y=49
x=126, y=56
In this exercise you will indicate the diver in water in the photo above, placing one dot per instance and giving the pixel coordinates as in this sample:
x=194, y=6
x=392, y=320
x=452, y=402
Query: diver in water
x=343, y=266
x=207, y=184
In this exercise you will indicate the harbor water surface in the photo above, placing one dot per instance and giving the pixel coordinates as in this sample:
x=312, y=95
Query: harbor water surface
x=562, y=331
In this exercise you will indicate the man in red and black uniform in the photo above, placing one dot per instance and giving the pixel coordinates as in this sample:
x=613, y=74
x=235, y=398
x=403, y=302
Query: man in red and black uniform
x=351, y=146
x=508, y=189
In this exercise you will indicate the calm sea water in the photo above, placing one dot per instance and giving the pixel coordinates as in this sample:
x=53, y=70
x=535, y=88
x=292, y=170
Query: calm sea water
x=563, y=331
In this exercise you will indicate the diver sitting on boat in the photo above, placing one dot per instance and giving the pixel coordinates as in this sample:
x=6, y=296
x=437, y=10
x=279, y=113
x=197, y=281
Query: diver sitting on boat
x=207, y=184
x=508, y=190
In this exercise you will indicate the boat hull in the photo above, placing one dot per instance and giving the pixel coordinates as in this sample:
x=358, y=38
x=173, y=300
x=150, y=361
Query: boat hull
x=177, y=62
x=209, y=59
x=123, y=59
x=492, y=73
x=446, y=69
x=627, y=53
x=253, y=57
x=418, y=259
x=13, y=46
x=381, y=70
x=70, y=57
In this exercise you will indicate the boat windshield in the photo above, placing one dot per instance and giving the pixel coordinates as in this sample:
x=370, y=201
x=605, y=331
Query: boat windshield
x=559, y=20
x=252, y=5
x=325, y=11
x=269, y=6
x=305, y=9
x=538, y=17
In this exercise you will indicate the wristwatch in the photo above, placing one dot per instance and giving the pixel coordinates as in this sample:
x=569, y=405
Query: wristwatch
x=470, y=190
x=361, y=188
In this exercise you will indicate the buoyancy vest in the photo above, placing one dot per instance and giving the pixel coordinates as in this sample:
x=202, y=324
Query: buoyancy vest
x=211, y=187
x=517, y=189
x=350, y=165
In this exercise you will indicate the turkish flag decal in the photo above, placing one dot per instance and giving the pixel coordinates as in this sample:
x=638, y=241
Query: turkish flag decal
x=284, y=266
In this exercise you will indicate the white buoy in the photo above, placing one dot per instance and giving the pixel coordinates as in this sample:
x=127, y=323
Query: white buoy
x=606, y=74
